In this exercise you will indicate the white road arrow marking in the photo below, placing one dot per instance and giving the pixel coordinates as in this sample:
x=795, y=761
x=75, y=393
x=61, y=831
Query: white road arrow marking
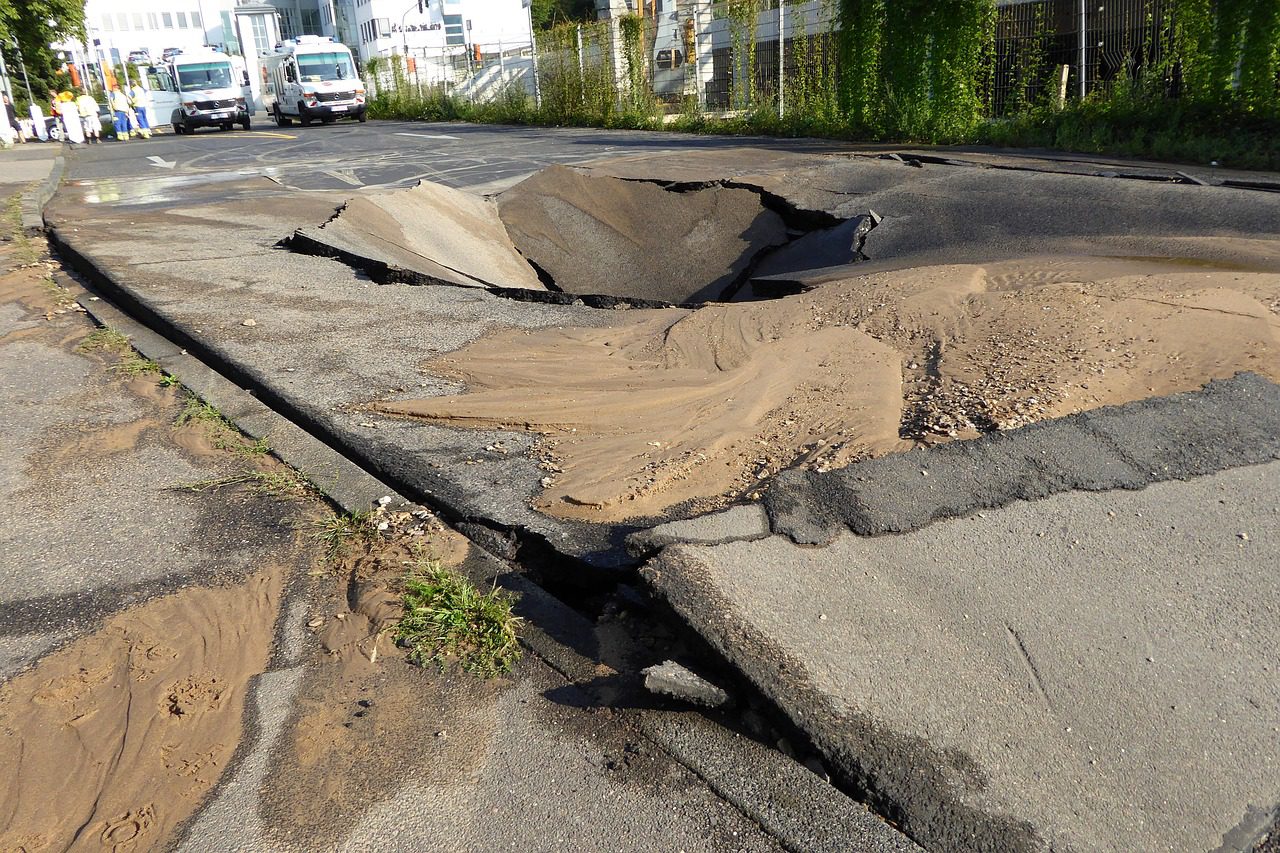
x=347, y=176
x=428, y=136
x=161, y=162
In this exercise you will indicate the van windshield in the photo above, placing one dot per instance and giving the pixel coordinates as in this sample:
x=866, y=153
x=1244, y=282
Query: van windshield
x=315, y=67
x=205, y=75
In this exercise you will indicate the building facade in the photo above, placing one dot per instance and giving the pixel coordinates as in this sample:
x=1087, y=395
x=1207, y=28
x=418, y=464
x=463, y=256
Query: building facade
x=387, y=27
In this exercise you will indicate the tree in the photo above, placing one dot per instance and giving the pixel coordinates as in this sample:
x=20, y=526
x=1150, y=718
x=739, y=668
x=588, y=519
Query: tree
x=547, y=13
x=35, y=25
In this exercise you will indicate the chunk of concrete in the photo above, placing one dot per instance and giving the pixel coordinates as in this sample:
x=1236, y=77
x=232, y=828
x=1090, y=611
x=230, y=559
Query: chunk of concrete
x=433, y=231
x=746, y=521
x=672, y=679
x=1090, y=671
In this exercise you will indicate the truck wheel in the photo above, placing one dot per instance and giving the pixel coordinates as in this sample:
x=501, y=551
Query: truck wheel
x=244, y=125
x=304, y=118
x=362, y=118
x=281, y=121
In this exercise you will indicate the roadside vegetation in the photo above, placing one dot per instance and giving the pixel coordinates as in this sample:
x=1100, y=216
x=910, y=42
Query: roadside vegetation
x=339, y=534
x=129, y=362
x=448, y=620
x=1199, y=82
x=223, y=435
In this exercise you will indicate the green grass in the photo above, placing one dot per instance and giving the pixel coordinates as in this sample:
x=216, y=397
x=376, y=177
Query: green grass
x=1231, y=135
x=446, y=618
x=129, y=361
x=338, y=533
x=1124, y=122
x=105, y=340
x=223, y=435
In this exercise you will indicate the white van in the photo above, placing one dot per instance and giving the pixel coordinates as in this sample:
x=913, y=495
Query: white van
x=312, y=78
x=198, y=88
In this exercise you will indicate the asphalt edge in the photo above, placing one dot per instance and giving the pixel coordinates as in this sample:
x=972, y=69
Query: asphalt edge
x=34, y=199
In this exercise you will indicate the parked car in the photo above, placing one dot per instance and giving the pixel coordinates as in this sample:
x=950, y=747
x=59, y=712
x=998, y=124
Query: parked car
x=139, y=57
x=170, y=53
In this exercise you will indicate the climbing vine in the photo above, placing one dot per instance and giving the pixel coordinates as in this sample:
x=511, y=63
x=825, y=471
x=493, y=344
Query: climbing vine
x=1229, y=49
x=742, y=16
x=915, y=68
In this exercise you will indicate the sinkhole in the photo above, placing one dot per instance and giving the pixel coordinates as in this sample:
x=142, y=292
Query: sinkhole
x=565, y=236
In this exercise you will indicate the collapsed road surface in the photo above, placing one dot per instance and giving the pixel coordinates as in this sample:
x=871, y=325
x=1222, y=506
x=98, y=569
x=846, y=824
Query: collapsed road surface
x=196, y=653
x=808, y=351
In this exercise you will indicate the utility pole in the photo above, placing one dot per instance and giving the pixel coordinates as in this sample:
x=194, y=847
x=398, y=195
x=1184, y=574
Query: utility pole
x=533, y=53
x=23, y=65
x=1084, y=47
x=782, y=59
x=4, y=78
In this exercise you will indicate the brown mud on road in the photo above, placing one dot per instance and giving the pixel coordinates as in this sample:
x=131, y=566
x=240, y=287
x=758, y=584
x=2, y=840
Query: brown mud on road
x=116, y=736
x=696, y=407
x=127, y=729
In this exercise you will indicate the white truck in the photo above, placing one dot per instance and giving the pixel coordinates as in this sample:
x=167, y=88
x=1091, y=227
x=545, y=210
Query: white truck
x=200, y=88
x=312, y=78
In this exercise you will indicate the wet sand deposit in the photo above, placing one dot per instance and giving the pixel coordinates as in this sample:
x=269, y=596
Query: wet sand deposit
x=697, y=407
x=126, y=730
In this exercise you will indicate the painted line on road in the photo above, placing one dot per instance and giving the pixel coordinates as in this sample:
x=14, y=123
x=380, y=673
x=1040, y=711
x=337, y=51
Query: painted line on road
x=429, y=136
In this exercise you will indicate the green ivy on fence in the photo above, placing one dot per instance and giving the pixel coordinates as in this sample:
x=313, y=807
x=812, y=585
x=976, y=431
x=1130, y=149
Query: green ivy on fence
x=1201, y=82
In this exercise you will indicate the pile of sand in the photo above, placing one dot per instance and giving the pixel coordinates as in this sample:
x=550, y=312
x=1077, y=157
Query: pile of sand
x=666, y=407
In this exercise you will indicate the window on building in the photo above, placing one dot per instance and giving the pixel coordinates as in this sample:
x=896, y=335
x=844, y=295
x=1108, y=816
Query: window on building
x=311, y=22
x=153, y=21
x=196, y=23
x=137, y=20
x=669, y=59
x=182, y=20
x=122, y=22
x=261, y=43
x=453, y=33
x=168, y=20
x=107, y=23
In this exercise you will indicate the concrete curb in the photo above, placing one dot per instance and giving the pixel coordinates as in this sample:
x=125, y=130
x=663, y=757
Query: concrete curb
x=34, y=200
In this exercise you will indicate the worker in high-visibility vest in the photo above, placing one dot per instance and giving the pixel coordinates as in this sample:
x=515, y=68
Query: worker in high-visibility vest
x=88, y=108
x=140, y=100
x=121, y=107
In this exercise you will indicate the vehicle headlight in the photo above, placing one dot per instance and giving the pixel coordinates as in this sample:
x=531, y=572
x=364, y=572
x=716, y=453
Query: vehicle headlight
x=240, y=102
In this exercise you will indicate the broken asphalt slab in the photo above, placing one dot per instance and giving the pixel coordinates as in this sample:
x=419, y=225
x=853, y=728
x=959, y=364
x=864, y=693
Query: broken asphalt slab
x=329, y=342
x=1091, y=670
x=1115, y=447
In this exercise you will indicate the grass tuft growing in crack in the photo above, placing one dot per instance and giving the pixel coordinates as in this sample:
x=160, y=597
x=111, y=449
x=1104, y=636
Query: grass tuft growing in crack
x=339, y=533
x=446, y=618
x=129, y=361
x=223, y=435
x=105, y=340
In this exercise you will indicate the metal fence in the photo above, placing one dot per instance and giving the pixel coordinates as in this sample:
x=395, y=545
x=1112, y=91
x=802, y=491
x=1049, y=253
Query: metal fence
x=698, y=54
